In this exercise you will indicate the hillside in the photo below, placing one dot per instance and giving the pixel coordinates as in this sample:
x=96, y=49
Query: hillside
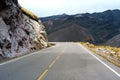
x=69, y=34
x=20, y=30
x=101, y=26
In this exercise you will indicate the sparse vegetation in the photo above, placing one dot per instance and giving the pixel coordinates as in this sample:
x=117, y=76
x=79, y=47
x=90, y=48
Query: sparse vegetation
x=112, y=54
x=29, y=13
x=50, y=44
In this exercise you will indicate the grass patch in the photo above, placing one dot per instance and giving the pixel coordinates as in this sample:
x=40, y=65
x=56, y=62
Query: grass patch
x=29, y=13
x=50, y=44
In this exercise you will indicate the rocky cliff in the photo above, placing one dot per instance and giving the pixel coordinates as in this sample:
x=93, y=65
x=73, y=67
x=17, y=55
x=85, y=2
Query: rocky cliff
x=20, y=30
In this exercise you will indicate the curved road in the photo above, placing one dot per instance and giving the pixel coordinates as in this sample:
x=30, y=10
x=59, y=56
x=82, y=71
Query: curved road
x=64, y=61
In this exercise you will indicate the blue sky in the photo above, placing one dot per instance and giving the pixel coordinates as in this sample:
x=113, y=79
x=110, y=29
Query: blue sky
x=44, y=8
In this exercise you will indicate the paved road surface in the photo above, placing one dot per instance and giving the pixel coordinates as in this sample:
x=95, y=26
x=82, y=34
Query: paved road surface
x=65, y=61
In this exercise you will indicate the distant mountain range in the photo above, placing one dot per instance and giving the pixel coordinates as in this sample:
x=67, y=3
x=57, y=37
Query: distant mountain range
x=98, y=28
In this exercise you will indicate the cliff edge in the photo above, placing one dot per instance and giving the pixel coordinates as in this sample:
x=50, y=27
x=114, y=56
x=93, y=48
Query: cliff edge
x=20, y=30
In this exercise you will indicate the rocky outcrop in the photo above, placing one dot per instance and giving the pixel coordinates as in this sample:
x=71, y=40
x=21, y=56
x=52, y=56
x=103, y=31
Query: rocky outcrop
x=20, y=31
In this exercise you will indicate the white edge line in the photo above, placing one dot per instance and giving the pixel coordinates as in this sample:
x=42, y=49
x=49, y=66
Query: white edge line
x=99, y=60
x=12, y=60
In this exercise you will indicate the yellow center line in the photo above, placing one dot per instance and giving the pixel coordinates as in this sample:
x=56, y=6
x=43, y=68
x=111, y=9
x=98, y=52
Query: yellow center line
x=43, y=74
x=57, y=57
x=51, y=65
x=62, y=52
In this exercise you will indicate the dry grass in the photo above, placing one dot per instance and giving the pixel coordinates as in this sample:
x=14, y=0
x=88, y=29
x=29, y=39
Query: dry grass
x=50, y=44
x=112, y=54
x=29, y=13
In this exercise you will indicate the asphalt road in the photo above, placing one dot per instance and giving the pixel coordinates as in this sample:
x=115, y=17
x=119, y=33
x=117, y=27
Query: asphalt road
x=65, y=61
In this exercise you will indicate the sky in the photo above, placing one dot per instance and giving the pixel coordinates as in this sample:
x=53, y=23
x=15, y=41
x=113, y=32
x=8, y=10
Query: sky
x=43, y=8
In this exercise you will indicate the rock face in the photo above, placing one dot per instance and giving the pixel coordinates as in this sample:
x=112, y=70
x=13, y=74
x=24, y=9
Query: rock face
x=19, y=33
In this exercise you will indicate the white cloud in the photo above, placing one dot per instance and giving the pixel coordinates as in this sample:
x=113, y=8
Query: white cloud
x=50, y=7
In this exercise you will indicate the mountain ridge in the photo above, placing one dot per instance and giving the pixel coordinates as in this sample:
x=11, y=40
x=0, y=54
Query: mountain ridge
x=103, y=26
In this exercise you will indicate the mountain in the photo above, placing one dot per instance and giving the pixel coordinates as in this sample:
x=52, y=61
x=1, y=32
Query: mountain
x=115, y=41
x=70, y=34
x=102, y=26
x=20, y=30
